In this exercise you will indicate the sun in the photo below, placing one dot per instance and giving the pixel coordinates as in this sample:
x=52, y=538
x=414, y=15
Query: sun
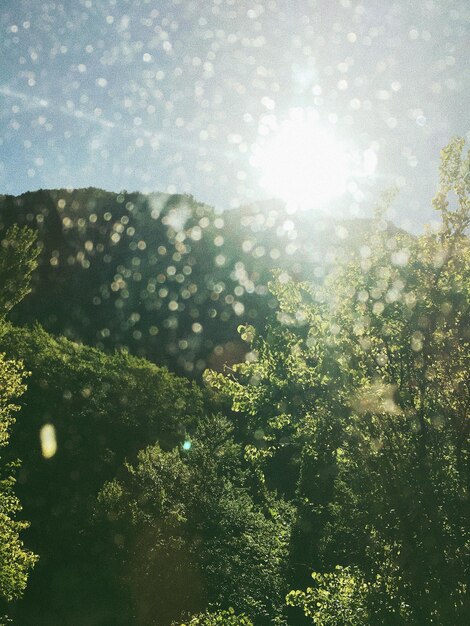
x=299, y=161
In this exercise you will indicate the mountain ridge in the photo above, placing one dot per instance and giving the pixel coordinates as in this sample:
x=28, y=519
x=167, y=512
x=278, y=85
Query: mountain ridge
x=163, y=275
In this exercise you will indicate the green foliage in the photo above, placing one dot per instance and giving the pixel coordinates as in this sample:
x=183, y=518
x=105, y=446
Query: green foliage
x=357, y=401
x=194, y=509
x=454, y=181
x=17, y=261
x=347, y=452
x=15, y=560
x=339, y=597
x=165, y=276
x=103, y=408
x=11, y=386
x=219, y=618
x=18, y=254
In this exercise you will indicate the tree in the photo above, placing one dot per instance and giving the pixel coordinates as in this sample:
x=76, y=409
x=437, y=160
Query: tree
x=339, y=597
x=18, y=254
x=192, y=535
x=103, y=408
x=360, y=388
x=219, y=618
x=15, y=560
x=17, y=261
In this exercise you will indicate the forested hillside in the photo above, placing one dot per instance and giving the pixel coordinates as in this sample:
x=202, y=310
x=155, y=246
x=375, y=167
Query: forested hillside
x=321, y=477
x=165, y=276
x=103, y=410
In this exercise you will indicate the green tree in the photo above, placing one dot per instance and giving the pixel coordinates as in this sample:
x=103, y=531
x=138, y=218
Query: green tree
x=18, y=254
x=339, y=597
x=103, y=408
x=15, y=560
x=360, y=390
x=17, y=261
x=219, y=618
x=192, y=535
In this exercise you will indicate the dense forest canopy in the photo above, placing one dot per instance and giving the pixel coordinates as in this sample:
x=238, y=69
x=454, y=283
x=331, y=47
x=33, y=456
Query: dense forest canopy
x=323, y=479
x=162, y=275
x=234, y=313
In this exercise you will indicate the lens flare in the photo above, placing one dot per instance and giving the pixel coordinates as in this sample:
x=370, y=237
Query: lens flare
x=48, y=440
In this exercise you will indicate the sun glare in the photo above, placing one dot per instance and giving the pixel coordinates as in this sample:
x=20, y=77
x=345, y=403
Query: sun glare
x=299, y=161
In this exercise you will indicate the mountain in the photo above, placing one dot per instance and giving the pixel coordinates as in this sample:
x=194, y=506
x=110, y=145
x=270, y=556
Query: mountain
x=164, y=276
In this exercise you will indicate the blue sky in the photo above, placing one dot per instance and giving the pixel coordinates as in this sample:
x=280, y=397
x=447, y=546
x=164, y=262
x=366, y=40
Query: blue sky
x=169, y=96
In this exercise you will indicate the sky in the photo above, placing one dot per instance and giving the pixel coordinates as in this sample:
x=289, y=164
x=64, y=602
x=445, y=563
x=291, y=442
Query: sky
x=176, y=96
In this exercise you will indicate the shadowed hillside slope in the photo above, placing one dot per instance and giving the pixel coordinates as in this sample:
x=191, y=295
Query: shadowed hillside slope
x=165, y=276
